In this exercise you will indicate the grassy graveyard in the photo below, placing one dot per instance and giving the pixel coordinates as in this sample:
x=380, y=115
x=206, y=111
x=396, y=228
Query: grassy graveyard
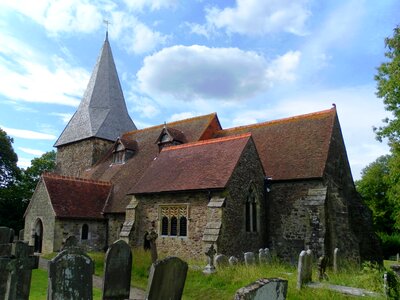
x=224, y=283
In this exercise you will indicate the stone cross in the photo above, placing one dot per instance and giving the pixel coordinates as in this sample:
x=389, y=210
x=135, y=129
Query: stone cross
x=167, y=279
x=210, y=268
x=322, y=264
x=70, y=275
x=233, y=261
x=335, y=260
x=221, y=261
x=117, y=271
x=249, y=258
x=151, y=237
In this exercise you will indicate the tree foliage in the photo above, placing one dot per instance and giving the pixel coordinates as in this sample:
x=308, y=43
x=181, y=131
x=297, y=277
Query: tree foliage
x=388, y=88
x=8, y=160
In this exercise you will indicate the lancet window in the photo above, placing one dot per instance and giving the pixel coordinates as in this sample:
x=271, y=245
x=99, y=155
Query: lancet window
x=174, y=220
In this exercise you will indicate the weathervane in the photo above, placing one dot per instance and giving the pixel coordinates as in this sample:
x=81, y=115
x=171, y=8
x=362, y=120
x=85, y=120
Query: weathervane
x=107, y=23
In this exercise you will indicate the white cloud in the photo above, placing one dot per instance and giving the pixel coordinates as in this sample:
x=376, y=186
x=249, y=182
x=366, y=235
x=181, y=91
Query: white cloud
x=253, y=17
x=135, y=36
x=59, y=16
x=198, y=72
x=182, y=116
x=24, y=78
x=31, y=151
x=23, y=162
x=65, y=117
x=151, y=4
x=28, y=134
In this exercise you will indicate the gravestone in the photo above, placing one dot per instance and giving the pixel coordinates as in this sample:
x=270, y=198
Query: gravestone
x=70, y=241
x=262, y=257
x=5, y=259
x=249, y=258
x=303, y=275
x=21, y=235
x=210, y=268
x=151, y=237
x=322, y=264
x=117, y=271
x=309, y=265
x=167, y=279
x=264, y=288
x=221, y=261
x=233, y=260
x=6, y=235
x=16, y=270
x=70, y=275
x=268, y=255
x=335, y=260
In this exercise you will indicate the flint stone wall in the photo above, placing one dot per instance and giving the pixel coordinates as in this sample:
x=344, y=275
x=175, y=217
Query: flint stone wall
x=72, y=159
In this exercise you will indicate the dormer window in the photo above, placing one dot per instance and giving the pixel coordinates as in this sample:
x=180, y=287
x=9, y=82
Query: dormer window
x=170, y=137
x=123, y=151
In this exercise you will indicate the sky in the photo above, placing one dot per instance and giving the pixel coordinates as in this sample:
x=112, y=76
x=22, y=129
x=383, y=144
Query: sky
x=247, y=60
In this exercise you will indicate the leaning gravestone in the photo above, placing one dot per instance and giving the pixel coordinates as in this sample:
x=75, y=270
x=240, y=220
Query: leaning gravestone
x=221, y=261
x=271, y=289
x=70, y=275
x=167, y=279
x=249, y=258
x=117, y=271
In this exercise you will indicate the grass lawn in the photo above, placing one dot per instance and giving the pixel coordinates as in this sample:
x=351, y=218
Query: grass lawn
x=224, y=283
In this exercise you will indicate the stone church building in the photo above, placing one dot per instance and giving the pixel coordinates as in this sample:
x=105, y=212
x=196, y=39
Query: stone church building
x=284, y=184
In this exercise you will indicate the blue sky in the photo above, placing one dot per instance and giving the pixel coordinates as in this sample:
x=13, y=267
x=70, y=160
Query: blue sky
x=249, y=61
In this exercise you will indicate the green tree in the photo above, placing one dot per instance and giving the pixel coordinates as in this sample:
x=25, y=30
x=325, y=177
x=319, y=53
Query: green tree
x=8, y=160
x=388, y=88
x=374, y=188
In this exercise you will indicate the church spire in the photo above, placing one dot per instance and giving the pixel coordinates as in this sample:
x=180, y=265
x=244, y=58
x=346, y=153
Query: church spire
x=102, y=112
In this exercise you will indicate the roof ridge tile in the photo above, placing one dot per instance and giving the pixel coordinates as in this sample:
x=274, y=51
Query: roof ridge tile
x=72, y=178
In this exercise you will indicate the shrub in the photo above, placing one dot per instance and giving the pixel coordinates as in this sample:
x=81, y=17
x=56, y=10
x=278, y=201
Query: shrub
x=390, y=244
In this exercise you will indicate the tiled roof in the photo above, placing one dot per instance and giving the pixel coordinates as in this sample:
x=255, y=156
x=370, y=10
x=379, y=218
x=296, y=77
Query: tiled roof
x=125, y=176
x=292, y=148
x=76, y=198
x=102, y=112
x=200, y=165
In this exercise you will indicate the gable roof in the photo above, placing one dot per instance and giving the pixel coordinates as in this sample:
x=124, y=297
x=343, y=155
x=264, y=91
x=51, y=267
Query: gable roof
x=76, y=198
x=102, y=112
x=125, y=176
x=200, y=165
x=292, y=148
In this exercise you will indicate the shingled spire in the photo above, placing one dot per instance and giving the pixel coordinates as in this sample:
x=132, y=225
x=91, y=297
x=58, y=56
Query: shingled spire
x=102, y=112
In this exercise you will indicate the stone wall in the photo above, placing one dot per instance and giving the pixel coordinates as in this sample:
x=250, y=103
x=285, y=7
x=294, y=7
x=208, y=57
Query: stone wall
x=67, y=227
x=40, y=208
x=147, y=211
x=234, y=240
x=296, y=218
x=72, y=159
x=351, y=227
x=115, y=222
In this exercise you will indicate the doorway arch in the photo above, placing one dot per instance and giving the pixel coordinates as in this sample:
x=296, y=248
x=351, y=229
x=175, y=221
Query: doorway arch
x=38, y=236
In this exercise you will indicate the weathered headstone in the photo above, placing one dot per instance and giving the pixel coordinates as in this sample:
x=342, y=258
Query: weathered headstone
x=233, y=261
x=322, y=264
x=16, y=270
x=21, y=235
x=335, y=260
x=309, y=258
x=6, y=235
x=70, y=241
x=70, y=275
x=262, y=257
x=117, y=271
x=301, y=270
x=167, y=279
x=268, y=255
x=210, y=268
x=249, y=258
x=221, y=261
x=151, y=237
x=265, y=288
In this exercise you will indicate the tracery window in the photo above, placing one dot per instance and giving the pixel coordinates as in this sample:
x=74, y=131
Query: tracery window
x=174, y=220
x=251, y=214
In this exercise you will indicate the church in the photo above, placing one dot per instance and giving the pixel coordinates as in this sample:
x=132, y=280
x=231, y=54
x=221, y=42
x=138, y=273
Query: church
x=284, y=184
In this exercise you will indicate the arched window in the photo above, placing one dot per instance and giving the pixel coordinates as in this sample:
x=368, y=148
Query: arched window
x=182, y=226
x=164, y=226
x=85, y=232
x=251, y=212
x=174, y=226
